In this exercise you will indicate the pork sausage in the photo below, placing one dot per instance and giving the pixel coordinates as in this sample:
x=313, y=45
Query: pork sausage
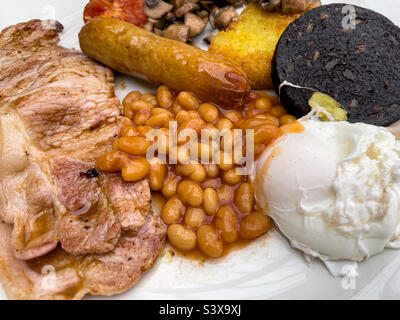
x=137, y=52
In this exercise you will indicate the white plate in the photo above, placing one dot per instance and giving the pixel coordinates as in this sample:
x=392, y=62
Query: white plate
x=268, y=268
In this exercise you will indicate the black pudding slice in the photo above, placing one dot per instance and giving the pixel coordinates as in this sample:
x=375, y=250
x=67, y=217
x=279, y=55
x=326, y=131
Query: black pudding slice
x=360, y=68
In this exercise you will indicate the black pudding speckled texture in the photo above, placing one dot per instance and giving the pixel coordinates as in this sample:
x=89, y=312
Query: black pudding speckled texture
x=360, y=68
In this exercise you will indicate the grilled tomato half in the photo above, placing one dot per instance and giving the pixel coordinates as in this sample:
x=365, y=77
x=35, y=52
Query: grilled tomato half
x=127, y=10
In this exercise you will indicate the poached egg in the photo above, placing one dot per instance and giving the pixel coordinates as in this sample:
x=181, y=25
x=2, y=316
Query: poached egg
x=333, y=189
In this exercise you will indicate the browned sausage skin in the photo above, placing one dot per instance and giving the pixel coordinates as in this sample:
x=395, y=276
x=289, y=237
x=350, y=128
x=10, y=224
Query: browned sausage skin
x=137, y=52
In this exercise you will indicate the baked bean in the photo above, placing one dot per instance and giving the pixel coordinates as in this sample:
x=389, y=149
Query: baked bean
x=111, y=162
x=234, y=116
x=179, y=155
x=149, y=97
x=157, y=110
x=176, y=107
x=128, y=131
x=128, y=112
x=292, y=127
x=201, y=151
x=190, y=193
x=173, y=210
x=244, y=197
x=266, y=133
x=273, y=119
x=210, y=201
x=231, y=141
x=224, y=124
x=170, y=185
x=226, y=194
x=209, y=132
x=261, y=116
x=188, y=100
x=208, y=112
x=194, y=217
x=135, y=170
x=143, y=130
x=255, y=122
x=182, y=116
x=209, y=242
x=231, y=177
x=225, y=160
x=158, y=120
x=193, y=124
x=254, y=225
x=193, y=114
x=277, y=111
x=164, y=97
x=226, y=221
x=194, y=171
x=141, y=111
x=286, y=118
x=157, y=174
x=212, y=170
x=182, y=238
x=136, y=146
x=131, y=96
x=263, y=103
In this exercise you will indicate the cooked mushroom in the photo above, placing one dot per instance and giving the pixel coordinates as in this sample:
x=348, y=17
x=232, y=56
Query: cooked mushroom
x=187, y=7
x=148, y=26
x=156, y=8
x=195, y=23
x=271, y=5
x=212, y=16
x=225, y=17
x=297, y=6
x=177, y=3
x=169, y=17
x=210, y=36
x=157, y=23
x=207, y=4
x=158, y=32
x=177, y=31
x=202, y=14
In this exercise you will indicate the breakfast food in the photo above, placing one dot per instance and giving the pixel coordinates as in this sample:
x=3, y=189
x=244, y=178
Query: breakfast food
x=208, y=205
x=127, y=10
x=134, y=51
x=183, y=20
x=250, y=42
x=58, y=114
x=333, y=189
x=358, y=67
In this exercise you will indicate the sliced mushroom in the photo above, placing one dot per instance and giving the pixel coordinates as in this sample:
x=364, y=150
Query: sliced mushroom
x=169, y=17
x=177, y=31
x=156, y=9
x=177, y=3
x=296, y=6
x=210, y=36
x=157, y=23
x=202, y=14
x=195, y=23
x=148, y=26
x=271, y=5
x=225, y=17
x=158, y=32
x=187, y=7
x=207, y=4
x=212, y=16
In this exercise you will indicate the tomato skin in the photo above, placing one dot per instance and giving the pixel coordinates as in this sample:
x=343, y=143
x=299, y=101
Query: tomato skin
x=127, y=10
